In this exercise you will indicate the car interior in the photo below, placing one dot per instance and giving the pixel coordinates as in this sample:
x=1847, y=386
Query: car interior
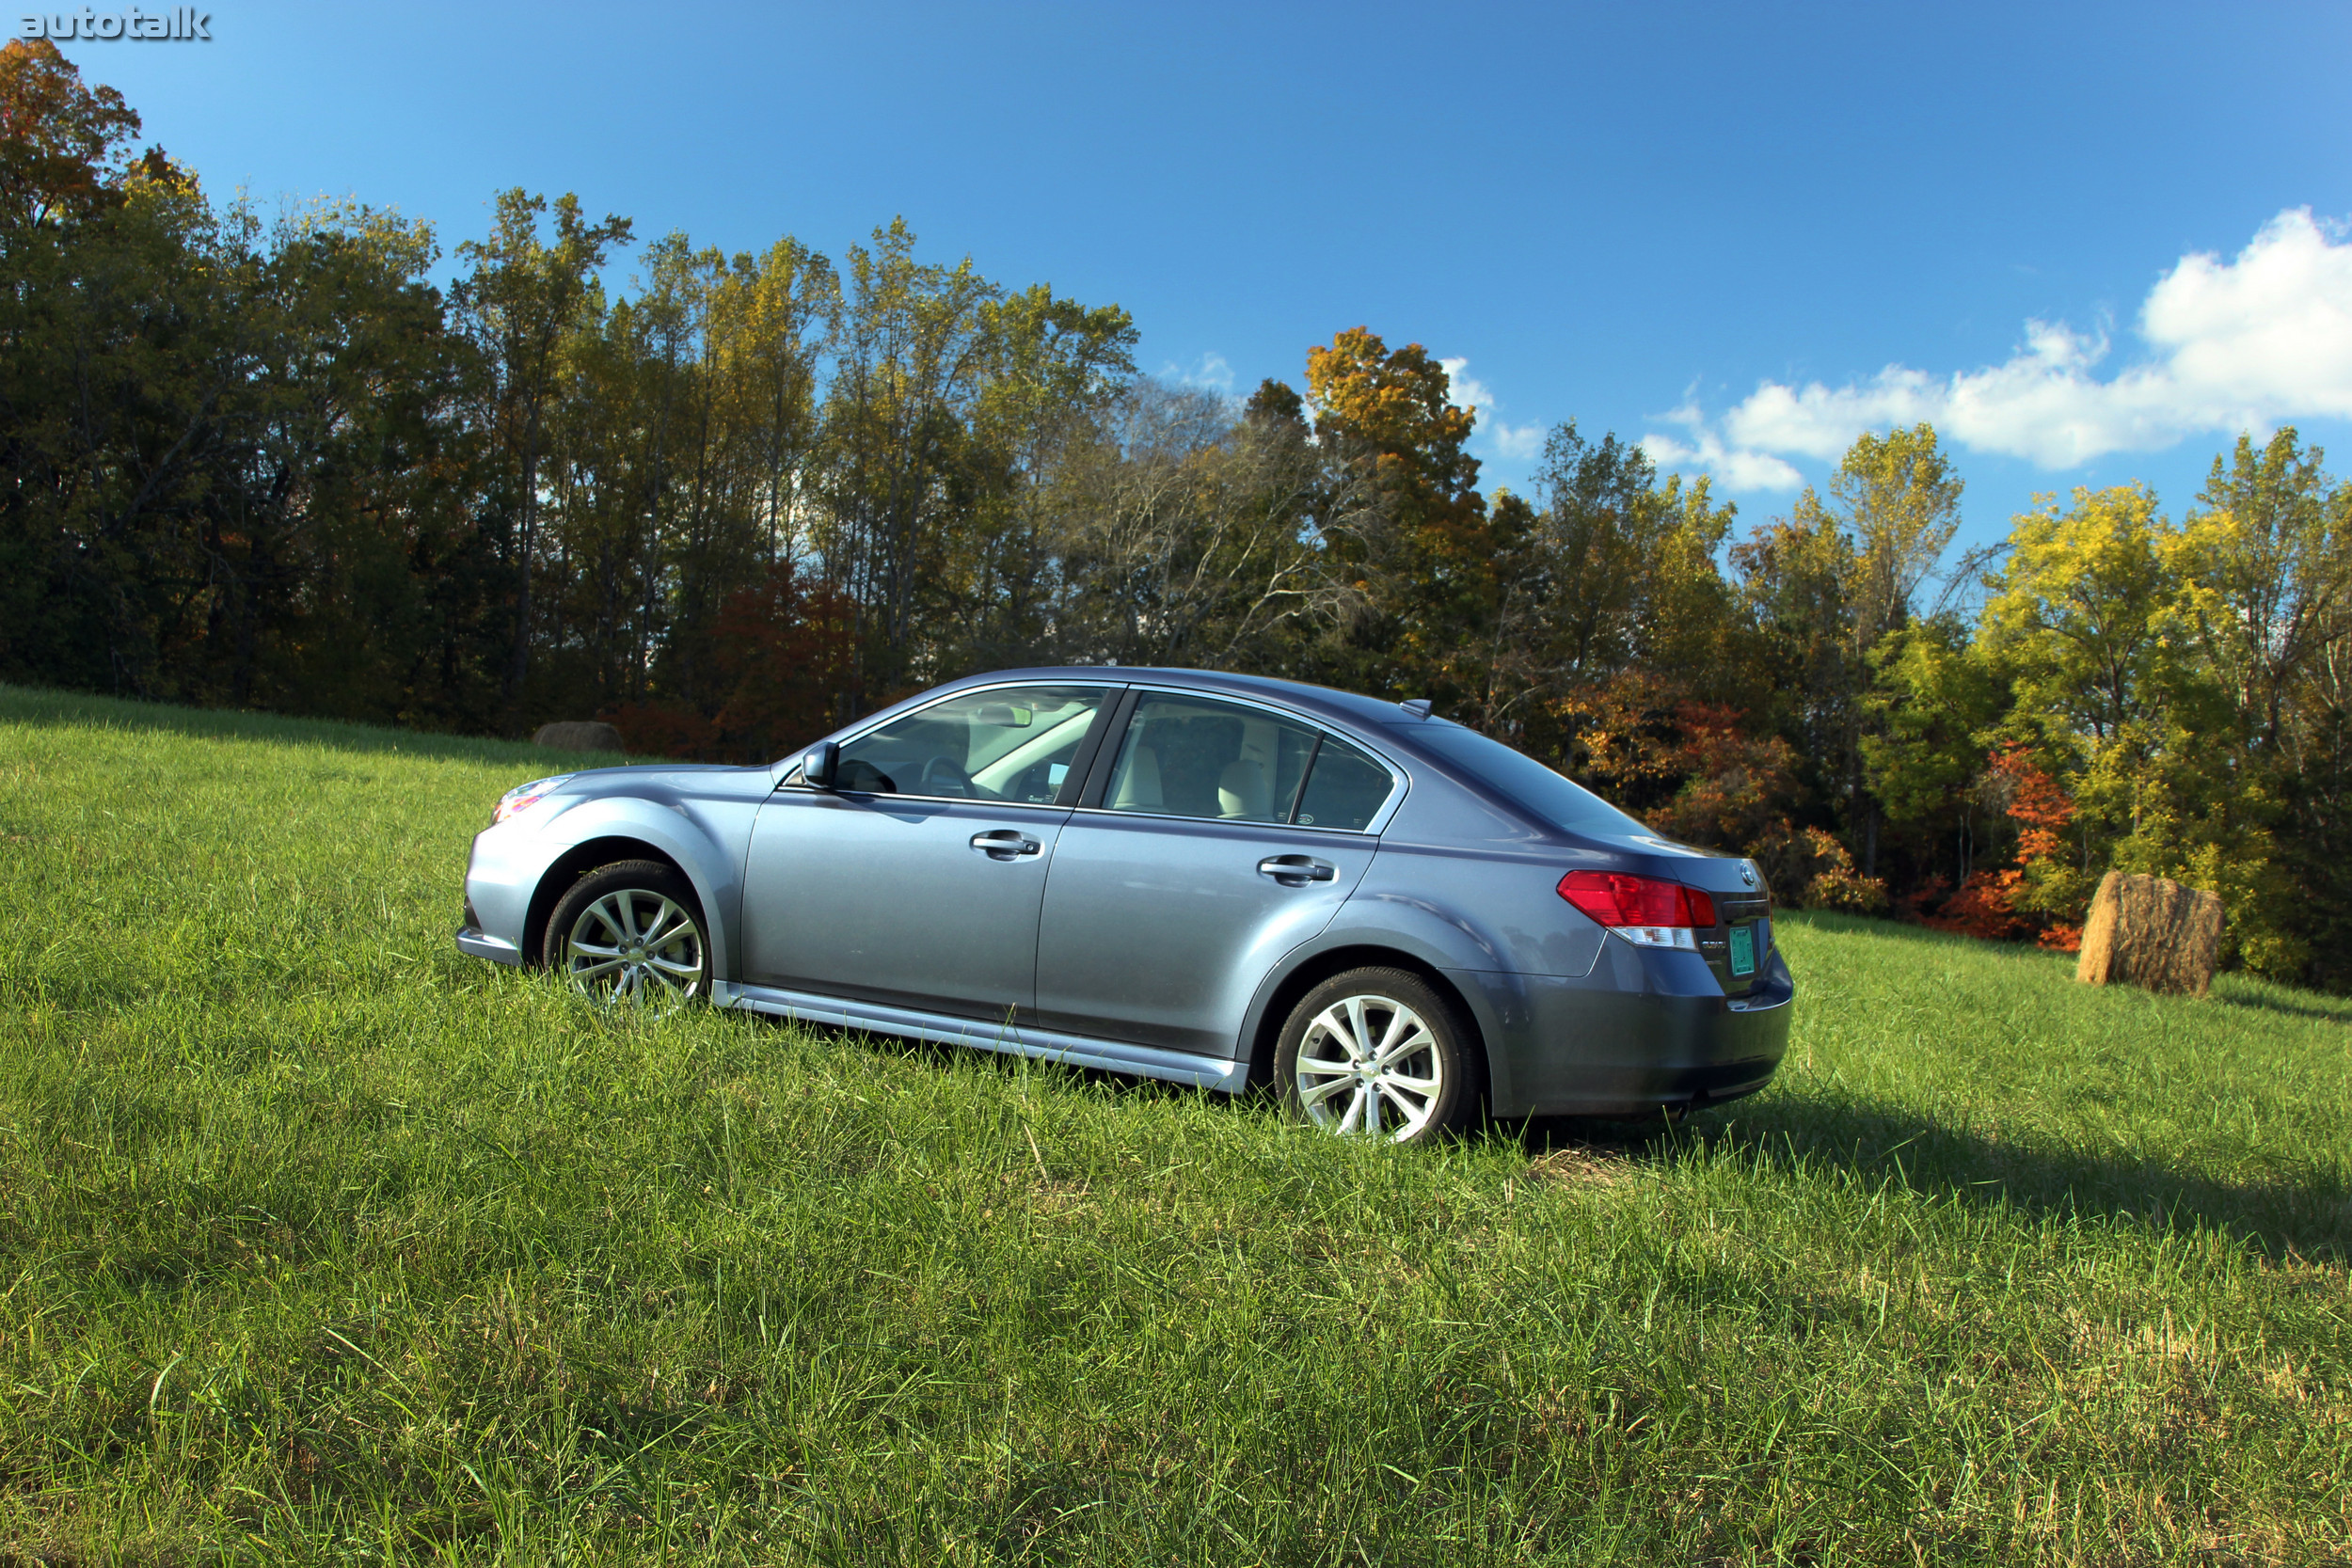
x=1183, y=758
x=988, y=746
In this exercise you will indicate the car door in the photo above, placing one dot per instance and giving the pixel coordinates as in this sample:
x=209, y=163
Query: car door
x=1169, y=900
x=919, y=879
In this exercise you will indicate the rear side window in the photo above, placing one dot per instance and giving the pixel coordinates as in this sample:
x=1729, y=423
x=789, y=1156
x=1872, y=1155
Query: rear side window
x=1194, y=757
x=1184, y=757
x=1346, y=789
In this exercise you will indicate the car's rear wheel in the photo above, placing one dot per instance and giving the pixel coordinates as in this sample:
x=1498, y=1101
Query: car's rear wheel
x=630, y=935
x=1376, y=1052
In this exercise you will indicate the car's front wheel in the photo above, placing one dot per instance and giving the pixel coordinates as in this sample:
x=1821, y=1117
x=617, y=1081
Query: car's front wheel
x=1376, y=1052
x=630, y=934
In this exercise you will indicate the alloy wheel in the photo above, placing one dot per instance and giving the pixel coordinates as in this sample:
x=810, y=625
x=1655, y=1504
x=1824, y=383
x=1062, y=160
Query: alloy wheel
x=1369, y=1067
x=635, y=947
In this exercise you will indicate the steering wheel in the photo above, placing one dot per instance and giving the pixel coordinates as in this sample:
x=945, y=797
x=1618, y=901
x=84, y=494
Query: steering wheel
x=945, y=776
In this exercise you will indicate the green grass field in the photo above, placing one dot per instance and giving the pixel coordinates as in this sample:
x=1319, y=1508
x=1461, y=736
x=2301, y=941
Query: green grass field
x=320, y=1241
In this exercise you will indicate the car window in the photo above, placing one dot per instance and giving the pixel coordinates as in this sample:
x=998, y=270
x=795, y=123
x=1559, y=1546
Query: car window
x=1184, y=756
x=1521, y=778
x=1007, y=743
x=1346, y=789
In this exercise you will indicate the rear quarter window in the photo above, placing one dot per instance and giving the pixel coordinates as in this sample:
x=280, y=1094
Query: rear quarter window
x=1346, y=789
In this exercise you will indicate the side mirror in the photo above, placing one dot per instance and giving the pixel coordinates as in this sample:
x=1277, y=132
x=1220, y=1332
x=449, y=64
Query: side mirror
x=819, y=764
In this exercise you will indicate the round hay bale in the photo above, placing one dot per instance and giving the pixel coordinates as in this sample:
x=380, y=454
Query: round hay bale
x=2151, y=932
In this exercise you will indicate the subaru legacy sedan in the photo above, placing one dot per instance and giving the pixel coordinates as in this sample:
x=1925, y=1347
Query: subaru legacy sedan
x=1388, y=919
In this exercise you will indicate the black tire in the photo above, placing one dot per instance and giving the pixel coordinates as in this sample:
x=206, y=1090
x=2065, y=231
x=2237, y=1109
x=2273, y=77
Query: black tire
x=595, y=938
x=1424, y=1088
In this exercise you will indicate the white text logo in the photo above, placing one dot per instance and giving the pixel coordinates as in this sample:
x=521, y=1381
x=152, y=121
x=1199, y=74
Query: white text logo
x=181, y=22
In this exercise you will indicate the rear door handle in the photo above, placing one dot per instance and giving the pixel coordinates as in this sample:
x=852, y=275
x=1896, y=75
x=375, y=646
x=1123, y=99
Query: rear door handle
x=1297, y=870
x=1003, y=844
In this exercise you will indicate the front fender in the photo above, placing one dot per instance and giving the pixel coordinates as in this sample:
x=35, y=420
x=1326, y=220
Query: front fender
x=705, y=839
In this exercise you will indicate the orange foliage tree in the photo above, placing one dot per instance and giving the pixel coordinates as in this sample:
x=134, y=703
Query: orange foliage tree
x=1987, y=904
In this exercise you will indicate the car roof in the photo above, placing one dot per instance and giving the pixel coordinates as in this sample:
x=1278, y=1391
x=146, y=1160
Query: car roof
x=1326, y=701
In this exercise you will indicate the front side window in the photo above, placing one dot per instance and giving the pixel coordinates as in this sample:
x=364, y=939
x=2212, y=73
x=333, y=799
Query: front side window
x=1009, y=743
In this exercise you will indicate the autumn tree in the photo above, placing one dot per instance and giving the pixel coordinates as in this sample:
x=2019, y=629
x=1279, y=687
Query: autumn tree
x=1407, y=560
x=64, y=147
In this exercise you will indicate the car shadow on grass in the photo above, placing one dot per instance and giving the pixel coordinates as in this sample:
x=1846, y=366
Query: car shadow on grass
x=1797, y=1135
x=1792, y=1134
x=975, y=1056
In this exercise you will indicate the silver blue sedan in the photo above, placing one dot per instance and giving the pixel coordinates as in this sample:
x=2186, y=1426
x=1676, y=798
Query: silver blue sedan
x=1388, y=918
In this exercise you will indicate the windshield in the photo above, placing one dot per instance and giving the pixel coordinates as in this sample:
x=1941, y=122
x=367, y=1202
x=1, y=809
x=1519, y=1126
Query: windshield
x=1523, y=780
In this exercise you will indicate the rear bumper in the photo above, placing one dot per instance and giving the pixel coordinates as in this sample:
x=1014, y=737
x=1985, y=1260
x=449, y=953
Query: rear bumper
x=1644, y=1030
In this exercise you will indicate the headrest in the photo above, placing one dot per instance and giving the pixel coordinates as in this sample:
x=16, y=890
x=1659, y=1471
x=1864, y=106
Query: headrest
x=1241, y=791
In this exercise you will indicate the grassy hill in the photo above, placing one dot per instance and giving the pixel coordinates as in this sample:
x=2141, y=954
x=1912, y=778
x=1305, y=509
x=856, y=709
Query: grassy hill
x=318, y=1240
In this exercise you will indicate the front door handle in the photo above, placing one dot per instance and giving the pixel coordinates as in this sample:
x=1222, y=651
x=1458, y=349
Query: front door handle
x=1003, y=844
x=1297, y=870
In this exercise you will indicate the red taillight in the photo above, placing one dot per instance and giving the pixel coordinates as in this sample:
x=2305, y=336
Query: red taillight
x=1617, y=898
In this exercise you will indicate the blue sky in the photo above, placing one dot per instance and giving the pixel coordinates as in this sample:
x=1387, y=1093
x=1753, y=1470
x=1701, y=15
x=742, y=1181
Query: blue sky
x=1669, y=221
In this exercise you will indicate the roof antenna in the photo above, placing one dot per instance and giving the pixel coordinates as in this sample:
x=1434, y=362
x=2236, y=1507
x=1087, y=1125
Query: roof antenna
x=1417, y=706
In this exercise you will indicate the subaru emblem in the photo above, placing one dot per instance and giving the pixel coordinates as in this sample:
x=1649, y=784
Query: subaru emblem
x=1747, y=872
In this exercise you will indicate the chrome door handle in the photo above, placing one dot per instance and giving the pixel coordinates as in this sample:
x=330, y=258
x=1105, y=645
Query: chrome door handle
x=1003, y=844
x=1297, y=870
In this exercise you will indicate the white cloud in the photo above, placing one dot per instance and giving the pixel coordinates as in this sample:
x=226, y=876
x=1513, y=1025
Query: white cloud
x=1520, y=443
x=2241, y=344
x=1469, y=391
x=1211, y=372
x=1514, y=443
x=1739, y=470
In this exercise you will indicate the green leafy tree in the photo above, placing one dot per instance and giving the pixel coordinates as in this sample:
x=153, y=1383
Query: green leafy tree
x=522, y=299
x=1612, y=572
x=2263, y=568
x=2090, y=626
x=1933, y=700
x=913, y=354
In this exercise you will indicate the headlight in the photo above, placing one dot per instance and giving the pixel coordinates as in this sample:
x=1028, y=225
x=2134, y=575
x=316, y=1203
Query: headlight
x=523, y=797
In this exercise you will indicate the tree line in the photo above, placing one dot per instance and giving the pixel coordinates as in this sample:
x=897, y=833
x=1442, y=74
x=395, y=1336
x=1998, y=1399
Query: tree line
x=270, y=461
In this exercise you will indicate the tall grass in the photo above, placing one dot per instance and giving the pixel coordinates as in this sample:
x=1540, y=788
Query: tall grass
x=319, y=1241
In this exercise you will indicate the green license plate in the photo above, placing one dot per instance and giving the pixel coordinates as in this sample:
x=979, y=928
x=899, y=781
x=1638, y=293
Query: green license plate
x=1743, y=949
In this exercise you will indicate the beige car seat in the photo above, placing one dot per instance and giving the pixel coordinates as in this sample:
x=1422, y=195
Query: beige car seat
x=1138, y=781
x=1241, y=792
